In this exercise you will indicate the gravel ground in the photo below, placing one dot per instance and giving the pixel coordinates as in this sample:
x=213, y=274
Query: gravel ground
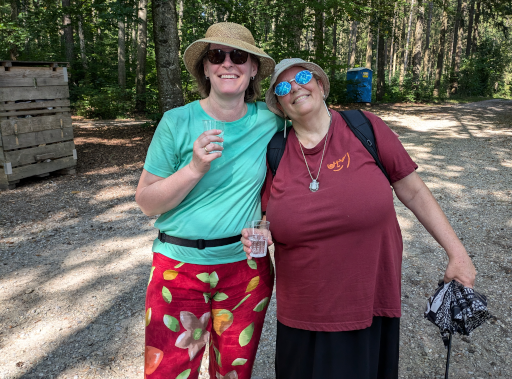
x=75, y=251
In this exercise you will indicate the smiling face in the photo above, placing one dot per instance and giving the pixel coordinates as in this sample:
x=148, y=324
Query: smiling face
x=302, y=99
x=228, y=79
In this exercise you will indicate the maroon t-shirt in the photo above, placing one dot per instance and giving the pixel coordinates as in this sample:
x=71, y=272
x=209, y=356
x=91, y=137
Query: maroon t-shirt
x=338, y=250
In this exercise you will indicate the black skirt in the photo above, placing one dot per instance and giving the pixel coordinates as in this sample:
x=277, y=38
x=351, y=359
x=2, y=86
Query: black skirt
x=370, y=353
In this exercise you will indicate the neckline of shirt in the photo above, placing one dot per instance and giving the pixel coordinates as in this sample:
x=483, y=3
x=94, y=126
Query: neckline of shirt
x=206, y=116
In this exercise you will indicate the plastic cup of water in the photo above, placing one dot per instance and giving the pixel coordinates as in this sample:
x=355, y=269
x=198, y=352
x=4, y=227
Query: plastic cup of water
x=259, y=231
x=215, y=124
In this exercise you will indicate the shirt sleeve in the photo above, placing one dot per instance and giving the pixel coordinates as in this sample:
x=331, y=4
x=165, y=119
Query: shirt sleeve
x=394, y=157
x=162, y=159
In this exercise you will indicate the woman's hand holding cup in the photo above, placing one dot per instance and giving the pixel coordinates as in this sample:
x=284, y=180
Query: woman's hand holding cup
x=202, y=151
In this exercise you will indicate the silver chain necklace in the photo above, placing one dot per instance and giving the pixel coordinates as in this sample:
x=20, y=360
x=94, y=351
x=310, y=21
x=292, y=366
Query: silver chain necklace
x=314, y=185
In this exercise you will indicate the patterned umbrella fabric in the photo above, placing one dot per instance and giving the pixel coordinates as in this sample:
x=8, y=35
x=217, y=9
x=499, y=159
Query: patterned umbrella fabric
x=456, y=309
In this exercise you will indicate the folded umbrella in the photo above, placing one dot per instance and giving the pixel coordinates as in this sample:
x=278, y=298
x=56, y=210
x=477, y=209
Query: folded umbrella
x=456, y=309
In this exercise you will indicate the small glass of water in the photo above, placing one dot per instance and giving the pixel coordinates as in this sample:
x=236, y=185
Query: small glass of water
x=259, y=231
x=215, y=124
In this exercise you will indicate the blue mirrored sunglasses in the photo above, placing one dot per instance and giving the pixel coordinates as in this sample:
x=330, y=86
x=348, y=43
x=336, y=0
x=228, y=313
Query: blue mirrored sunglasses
x=302, y=77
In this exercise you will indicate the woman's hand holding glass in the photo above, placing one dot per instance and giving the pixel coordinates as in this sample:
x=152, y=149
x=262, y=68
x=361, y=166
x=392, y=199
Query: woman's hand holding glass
x=202, y=151
x=247, y=243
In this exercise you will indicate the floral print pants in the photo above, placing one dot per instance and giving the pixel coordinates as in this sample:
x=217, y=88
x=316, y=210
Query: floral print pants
x=191, y=306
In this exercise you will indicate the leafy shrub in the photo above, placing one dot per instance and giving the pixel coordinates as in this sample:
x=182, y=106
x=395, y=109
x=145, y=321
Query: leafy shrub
x=108, y=102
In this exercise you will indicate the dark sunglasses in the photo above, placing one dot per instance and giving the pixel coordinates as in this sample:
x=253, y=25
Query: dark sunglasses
x=217, y=56
x=302, y=77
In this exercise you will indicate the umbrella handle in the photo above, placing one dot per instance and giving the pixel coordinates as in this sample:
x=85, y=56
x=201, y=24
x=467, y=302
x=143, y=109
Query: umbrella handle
x=448, y=357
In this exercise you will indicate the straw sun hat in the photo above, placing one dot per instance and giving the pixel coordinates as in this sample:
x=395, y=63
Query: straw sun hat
x=285, y=64
x=232, y=35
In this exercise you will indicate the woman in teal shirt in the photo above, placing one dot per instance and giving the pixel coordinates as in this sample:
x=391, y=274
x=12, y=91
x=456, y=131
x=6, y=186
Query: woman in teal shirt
x=201, y=279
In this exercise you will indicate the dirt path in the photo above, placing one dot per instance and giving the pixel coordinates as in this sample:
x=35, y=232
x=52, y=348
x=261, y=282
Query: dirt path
x=75, y=251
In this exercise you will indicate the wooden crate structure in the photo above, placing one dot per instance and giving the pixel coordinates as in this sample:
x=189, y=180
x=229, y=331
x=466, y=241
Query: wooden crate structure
x=36, y=134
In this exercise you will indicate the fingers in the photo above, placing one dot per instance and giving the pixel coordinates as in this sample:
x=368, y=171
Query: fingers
x=246, y=243
x=269, y=239
x=209, y=136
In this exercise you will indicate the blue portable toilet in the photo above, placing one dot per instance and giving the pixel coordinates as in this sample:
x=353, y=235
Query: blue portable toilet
x=363, y=77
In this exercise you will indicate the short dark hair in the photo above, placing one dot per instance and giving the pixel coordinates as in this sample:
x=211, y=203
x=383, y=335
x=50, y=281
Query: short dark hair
x=252, y=93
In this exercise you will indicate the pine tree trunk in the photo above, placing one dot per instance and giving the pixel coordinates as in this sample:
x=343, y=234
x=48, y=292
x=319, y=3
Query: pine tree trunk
x=458, y=53
x=68, y=30
x=400, y=46
x=369, y=48
x=13, y=49
x=392, y=53
x=470, y=28
x=418, y=36
x=440, y=55
x=334, y=47
x=121, y=54
x=142, y=34
x=406, y=56
x=167, y=47
x=319, y=31
x=135, y=26
x=474, y=43
x=353, y=45
x=456, y=30
x=426, y=58
x=380, y=66
x=81, y=39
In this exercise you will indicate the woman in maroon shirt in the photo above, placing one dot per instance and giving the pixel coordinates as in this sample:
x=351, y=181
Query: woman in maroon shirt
x=338, y=246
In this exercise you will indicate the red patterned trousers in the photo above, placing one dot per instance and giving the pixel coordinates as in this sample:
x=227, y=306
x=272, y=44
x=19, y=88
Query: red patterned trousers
x=191, y=306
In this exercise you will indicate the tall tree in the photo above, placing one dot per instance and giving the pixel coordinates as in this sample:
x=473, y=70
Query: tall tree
x=418, y=36
x=142, y=36
x=68, y=30
x=458, y=53
x=121, y=53
x=352, y=45
x=392, y=53
x=81, y=39
x=406, y=56
x=167, y=48
x=474, y=43
x=426, y=56
x=380, y=64
x=456, y=32
x=369, y=41
x=318, y=40
x=334, y=43
x=13, y=50
x=440, y=55
x=470, y=28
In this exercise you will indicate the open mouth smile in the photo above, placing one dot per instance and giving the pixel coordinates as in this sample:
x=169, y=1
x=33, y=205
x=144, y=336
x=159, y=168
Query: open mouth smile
x=231, y=76
x=300, y=99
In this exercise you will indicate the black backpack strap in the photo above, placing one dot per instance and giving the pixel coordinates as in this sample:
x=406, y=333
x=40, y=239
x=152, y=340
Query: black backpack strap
x=275, y=150
x=363, y=129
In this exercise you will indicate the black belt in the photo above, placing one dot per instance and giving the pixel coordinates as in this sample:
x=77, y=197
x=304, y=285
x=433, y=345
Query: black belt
x=199, y=244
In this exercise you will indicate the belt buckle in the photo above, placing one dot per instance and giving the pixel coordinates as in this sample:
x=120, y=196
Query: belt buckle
x=201, y=244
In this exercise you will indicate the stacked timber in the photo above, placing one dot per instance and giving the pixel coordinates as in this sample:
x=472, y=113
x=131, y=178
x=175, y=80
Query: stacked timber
x=36, y=134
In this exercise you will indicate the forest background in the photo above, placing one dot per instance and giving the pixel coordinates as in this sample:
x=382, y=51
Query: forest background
x=126, y=55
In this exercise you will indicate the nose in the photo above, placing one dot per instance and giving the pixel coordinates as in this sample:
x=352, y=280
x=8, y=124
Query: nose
x=295, y=87
x=227, y=61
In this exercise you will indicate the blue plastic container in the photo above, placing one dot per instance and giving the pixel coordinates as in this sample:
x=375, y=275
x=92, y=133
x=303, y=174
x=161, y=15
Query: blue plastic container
x=361, y=91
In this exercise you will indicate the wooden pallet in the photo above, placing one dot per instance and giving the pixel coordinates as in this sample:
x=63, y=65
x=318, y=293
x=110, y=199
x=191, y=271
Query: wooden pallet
x=36, y=133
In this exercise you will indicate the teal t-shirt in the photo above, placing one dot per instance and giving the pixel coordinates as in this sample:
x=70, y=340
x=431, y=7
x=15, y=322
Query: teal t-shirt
x=228, y=195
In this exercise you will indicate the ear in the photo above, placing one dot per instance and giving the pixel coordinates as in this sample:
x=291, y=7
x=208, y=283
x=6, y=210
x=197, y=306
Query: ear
x=205, y=65
x=321, y=86
x=254, y=67
x=281, y=108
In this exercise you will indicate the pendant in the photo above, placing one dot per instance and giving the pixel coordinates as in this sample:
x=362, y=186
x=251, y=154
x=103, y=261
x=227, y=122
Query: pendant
x=313, y=186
